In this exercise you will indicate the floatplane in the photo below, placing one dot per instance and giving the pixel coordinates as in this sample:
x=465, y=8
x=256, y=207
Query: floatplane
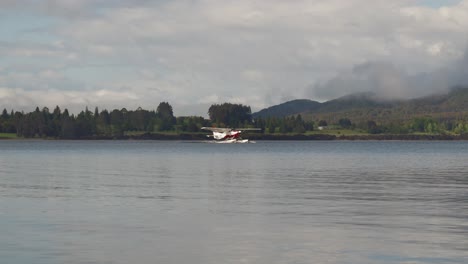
x=229, y=135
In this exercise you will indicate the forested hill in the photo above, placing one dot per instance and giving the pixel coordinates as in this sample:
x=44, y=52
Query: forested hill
x=365, y=106
x=289, y=108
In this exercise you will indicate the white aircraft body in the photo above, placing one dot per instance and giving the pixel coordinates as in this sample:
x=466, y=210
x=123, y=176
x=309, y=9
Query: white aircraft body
x=228, y=135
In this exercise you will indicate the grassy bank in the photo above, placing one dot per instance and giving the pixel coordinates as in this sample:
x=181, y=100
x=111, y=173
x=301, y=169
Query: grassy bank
x=8, y=136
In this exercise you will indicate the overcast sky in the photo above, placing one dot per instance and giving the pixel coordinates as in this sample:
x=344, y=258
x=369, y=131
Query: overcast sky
x=193, y=53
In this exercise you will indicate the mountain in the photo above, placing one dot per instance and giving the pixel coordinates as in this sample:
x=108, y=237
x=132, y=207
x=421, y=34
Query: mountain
x=353, y=101
x=289, y=108
x=363, y=107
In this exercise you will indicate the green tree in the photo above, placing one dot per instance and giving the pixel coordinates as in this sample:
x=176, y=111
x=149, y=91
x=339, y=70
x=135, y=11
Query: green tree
x=231, y=115
x=67, y=126
x=103, y=127
x=425, y=124
x=85, y=125
x=96, y=113
x=322, y=123
x=345, y=123
x=372, y=127
x=4, y=115
x=166, y=117
x=116, y=122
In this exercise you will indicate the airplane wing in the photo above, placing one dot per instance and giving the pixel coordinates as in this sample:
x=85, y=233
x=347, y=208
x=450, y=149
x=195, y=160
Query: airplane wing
x=223, y=129
x=248, y=129
x=217, y=129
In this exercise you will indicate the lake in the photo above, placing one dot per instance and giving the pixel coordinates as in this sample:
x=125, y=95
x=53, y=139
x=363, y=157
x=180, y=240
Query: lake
x=269, y=202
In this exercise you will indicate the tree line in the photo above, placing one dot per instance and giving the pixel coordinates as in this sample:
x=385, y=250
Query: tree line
x=427, y=125
x=43, y=123
x=58, y=123
x=61, y=124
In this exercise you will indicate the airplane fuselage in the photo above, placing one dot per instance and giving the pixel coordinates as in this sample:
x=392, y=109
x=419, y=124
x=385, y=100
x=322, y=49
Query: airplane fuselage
x=227, y=135
x=233, y=134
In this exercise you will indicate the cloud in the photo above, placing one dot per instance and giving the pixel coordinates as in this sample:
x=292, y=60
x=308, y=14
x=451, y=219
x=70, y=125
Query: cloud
x=388, y=81
x=194, y=53
x=382, y=78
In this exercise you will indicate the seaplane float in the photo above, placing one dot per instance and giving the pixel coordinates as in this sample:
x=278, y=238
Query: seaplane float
x=228, y=135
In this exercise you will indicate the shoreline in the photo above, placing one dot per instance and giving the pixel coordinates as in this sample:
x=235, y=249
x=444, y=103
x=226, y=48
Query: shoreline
x=270, y=137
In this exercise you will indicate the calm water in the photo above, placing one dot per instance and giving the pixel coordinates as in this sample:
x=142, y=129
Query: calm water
x=270, y=202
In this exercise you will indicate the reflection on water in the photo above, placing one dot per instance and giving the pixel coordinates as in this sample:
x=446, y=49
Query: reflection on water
x=270, y=202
